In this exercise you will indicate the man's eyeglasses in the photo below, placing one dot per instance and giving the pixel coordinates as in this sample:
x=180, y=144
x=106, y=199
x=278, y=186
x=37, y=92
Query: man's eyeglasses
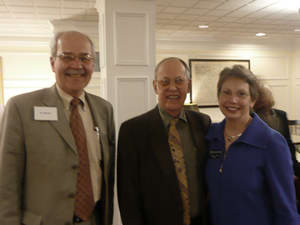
x=85, y=58
x=165, y=83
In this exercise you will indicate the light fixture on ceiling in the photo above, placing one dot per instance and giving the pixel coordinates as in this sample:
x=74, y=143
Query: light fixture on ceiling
x=288, y=4
x=297, y=30
x=203, y=26
x=260, y=34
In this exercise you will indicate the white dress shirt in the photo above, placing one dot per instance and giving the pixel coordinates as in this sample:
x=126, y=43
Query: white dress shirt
x=93, y=139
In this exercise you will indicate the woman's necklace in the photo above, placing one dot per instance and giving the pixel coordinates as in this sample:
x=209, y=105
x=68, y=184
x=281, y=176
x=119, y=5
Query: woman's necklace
x=232, y=138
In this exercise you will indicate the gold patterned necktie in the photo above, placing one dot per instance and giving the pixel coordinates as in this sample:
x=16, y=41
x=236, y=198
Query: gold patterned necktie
x=84, y=199
x=178, y=159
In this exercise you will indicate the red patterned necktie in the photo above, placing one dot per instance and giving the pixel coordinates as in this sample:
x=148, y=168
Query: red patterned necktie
x=178, y=160
x=84, y=199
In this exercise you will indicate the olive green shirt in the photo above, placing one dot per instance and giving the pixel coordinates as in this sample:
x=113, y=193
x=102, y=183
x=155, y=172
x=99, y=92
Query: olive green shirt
x=191, y=156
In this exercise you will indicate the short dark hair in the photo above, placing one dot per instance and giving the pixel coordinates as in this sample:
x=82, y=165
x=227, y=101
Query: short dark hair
x=57, y=36
x=187, y=69
x=240, y=72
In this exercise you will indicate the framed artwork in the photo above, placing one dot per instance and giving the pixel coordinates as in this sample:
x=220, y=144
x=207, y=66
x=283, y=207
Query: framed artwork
x=1, y=84
x=205, y=75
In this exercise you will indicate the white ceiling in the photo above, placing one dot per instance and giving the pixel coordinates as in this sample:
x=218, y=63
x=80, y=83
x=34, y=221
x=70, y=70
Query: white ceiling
x=228, y=19
x=31, y=18
x=176, y=19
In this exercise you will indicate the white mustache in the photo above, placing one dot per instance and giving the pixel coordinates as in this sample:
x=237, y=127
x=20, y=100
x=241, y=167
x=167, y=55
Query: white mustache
x=75, y=72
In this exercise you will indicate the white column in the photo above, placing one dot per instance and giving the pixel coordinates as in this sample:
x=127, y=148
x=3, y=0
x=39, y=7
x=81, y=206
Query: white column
x=127, y=59
x=127, y=55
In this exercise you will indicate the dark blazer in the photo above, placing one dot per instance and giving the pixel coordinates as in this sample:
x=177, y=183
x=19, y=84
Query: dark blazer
x=38, y=161
x=148, y=190
x=281, y=115
x=285, y=131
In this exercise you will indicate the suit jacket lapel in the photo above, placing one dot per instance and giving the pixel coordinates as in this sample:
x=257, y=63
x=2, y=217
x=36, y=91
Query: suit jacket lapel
x=98, y=118
x=160, y=145
x=52, y=99
x=196, y=131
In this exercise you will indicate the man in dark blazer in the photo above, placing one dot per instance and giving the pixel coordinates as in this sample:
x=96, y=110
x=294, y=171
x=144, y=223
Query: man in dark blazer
x=39, y=157
x=285, y=131
x=148, y=186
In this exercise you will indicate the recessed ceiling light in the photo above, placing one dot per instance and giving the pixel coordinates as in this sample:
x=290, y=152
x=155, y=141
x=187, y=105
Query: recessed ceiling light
x=203, y=26
x=297, y=30
x=260, y=34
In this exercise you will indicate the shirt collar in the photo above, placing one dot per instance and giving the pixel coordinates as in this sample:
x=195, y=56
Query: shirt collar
x=167, y=117
x=254, y=134
x=66, y=98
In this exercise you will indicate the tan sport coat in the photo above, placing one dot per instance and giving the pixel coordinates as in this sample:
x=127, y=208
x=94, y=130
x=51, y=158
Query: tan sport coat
x=38, y=161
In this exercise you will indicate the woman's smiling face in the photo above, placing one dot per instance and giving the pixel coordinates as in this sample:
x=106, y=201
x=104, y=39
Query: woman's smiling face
x=235, y=100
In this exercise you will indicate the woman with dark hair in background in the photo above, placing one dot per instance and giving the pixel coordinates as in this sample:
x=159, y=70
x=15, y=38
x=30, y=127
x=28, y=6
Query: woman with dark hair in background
x=249, y=171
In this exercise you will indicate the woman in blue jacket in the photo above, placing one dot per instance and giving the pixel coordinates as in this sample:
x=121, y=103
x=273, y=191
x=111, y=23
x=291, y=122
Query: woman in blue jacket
x=249, y=172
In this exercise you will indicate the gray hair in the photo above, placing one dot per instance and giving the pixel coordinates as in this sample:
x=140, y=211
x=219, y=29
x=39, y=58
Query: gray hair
x=57, y=36
x=187, y=69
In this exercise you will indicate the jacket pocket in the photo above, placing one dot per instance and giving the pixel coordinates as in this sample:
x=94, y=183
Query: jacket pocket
x=31, y=219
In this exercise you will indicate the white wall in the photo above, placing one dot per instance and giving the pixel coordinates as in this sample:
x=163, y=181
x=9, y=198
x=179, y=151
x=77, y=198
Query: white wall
x=295, y=82
x=276, y=64
x=28, y=69
x=24, y=72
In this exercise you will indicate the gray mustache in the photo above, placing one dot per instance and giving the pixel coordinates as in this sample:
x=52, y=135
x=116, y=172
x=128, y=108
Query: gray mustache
x=72, y=71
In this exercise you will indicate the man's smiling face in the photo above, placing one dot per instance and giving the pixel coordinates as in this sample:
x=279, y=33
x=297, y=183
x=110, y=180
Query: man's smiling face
x=72, y=75
x=171, y=85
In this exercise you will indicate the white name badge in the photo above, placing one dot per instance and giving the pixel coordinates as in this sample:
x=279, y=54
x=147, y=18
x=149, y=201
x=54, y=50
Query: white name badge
x=45, y=113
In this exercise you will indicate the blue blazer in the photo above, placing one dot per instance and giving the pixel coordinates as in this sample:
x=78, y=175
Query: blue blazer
x=256, y=186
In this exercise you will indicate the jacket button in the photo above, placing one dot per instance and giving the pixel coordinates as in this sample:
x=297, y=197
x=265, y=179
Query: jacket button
x=71, y=195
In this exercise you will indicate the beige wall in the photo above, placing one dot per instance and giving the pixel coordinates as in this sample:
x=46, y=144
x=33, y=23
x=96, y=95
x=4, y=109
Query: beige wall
x=276, y=64
x=28, y=68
